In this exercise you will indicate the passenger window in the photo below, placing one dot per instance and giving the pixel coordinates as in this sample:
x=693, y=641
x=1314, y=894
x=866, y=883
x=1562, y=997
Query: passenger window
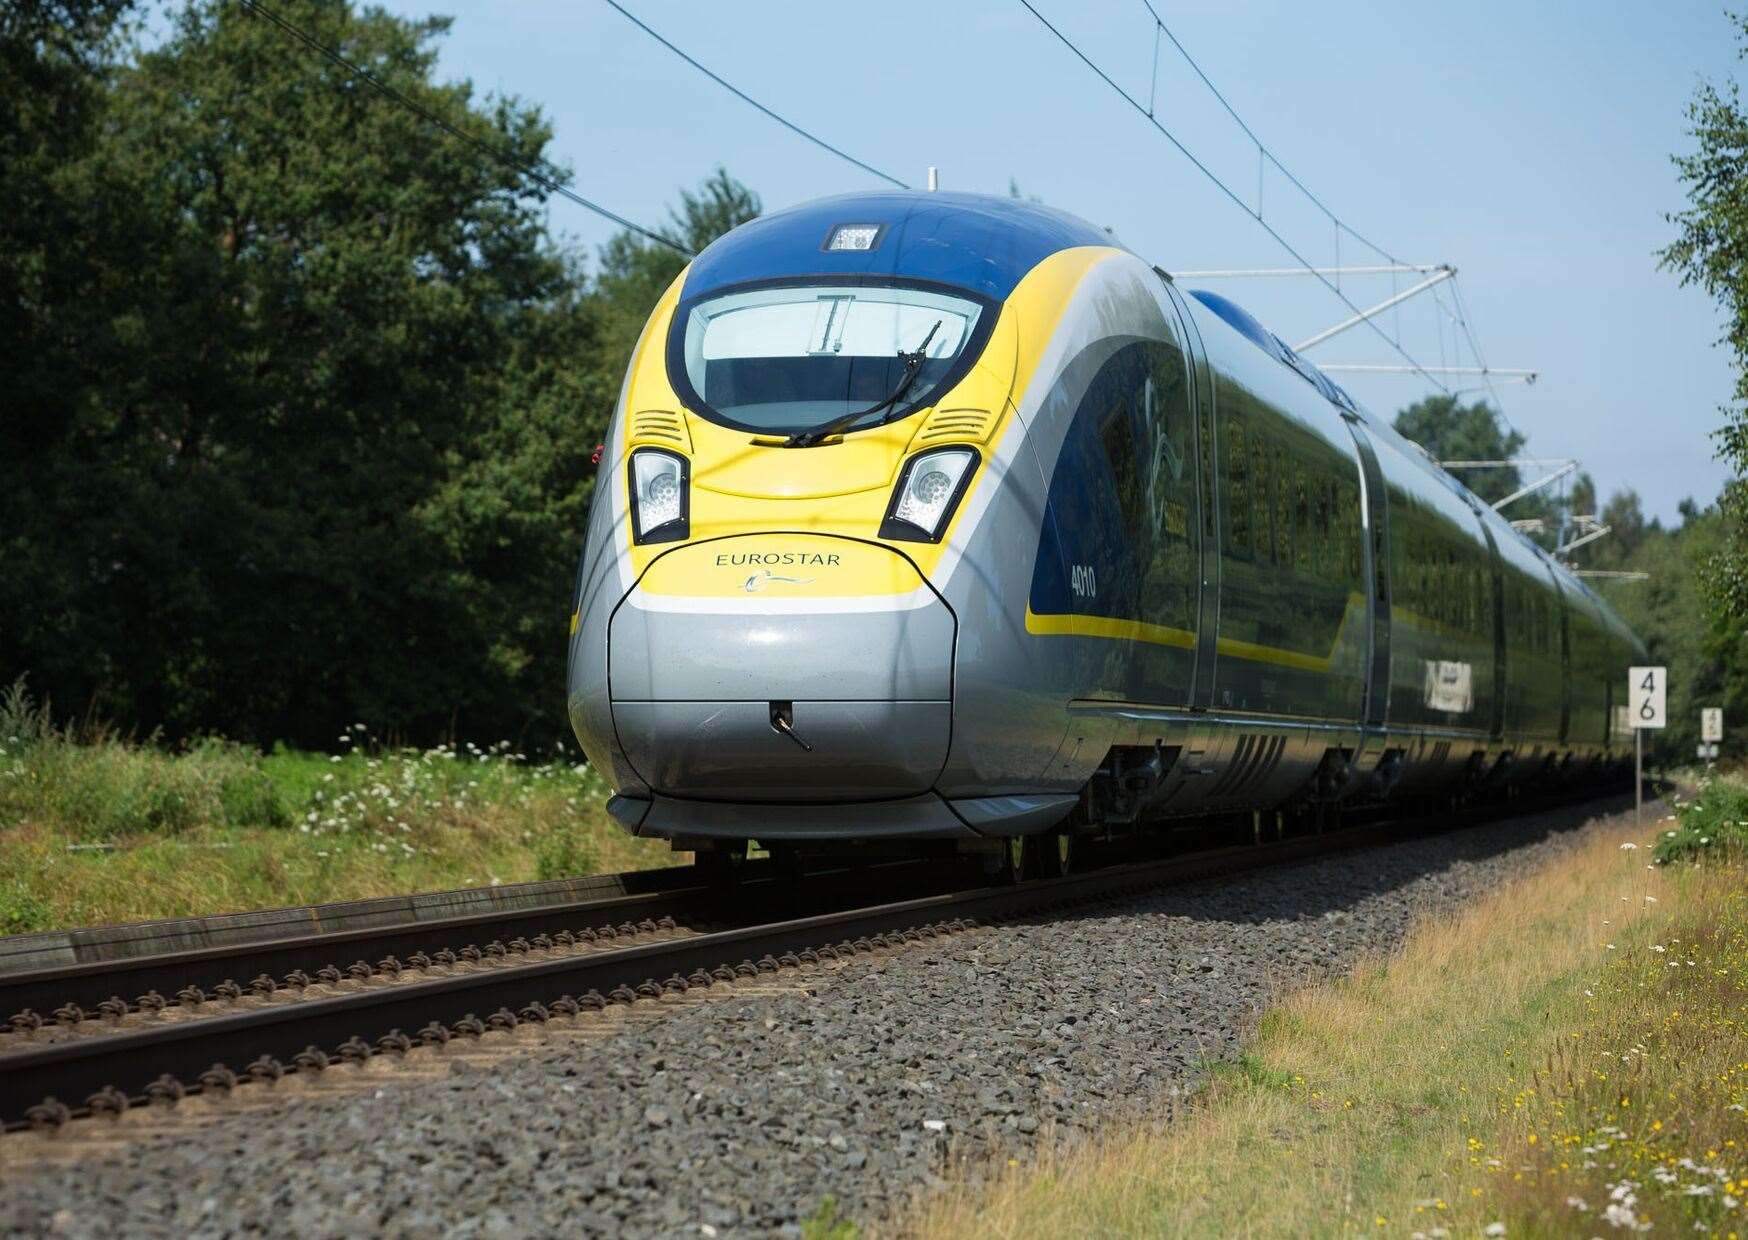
x=1262, y=489
x=1237, y=497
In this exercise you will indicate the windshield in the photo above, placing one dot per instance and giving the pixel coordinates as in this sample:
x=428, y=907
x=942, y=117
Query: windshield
x=788, y=357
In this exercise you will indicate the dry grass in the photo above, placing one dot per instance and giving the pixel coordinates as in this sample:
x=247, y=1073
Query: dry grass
x=1469, y=1083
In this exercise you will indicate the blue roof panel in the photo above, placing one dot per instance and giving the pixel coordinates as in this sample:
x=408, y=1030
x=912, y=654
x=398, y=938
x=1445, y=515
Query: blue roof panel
x=972, y=241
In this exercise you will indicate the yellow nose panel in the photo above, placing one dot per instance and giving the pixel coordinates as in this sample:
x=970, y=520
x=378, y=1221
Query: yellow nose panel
x=739, y=462
x=798, y=566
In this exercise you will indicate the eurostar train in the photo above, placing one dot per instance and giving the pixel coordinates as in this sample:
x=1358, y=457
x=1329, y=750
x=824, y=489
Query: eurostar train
x=942, y=517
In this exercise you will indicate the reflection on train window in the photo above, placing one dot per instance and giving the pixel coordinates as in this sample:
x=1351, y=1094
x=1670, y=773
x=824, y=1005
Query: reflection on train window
x=1236, y=498
x=1146, y=434
x=789, y=356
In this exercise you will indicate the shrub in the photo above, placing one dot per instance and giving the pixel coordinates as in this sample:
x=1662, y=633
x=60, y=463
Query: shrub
x=23, y=723
x=1715, y=821
x=565, y=852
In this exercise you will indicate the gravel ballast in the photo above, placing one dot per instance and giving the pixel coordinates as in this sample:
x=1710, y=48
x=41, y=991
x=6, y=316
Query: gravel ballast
x=741, y=1114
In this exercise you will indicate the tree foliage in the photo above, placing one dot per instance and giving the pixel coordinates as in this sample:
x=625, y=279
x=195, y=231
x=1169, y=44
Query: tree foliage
x=303, y=391
x=1711, y=250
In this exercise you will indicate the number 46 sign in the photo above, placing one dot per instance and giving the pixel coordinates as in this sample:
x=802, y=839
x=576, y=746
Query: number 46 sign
x=1647, y=691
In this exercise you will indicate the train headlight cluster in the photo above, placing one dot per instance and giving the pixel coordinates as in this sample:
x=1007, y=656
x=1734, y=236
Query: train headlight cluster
x=928, y=491
x=660, y=499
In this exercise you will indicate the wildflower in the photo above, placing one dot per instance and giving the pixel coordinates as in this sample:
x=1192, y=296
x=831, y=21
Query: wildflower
x=1493, y=1229
x=1650, y=899
x=1629, y=846
x=1577, y=1203
x=1658, y=947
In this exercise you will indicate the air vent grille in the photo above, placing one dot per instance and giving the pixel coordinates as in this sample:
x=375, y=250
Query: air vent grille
x=1254, y=760
x=660, y=428
x=955, y=426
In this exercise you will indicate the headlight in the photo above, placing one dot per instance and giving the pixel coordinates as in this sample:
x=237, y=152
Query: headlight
x=660, y=500
x=928, y=492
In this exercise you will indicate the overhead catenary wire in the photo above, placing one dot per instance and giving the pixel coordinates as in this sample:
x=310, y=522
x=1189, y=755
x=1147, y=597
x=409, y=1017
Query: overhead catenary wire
x=547, y=181
x=740, y=94
x=1262, y=147
x=1233, y=195
x=1458, y=315
x=1462, y=313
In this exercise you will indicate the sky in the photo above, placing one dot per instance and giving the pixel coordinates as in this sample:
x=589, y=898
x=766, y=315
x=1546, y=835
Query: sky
x=1528, y=145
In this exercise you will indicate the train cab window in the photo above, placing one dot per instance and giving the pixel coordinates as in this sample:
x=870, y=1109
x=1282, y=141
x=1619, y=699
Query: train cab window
x=787, y=356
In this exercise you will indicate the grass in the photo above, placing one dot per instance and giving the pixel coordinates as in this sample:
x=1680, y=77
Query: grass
x=95, y=829
x=1568, y=1056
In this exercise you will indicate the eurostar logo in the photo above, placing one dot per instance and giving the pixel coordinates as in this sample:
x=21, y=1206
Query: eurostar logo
x=759, y=580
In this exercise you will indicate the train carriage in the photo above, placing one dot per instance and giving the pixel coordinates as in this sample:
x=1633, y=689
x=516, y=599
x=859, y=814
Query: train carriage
x=931, y=516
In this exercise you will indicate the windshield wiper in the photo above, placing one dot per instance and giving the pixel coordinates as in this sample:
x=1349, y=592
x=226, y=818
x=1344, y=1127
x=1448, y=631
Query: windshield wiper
x=913, y=366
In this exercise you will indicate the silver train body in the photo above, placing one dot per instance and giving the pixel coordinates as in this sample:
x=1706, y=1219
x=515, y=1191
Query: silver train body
x=1176, y=571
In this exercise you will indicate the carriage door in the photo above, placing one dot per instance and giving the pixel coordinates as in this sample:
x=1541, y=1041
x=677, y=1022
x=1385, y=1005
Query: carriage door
x=1373, y=517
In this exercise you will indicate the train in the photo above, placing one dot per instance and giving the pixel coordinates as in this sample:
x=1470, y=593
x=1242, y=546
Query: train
x=943, y=521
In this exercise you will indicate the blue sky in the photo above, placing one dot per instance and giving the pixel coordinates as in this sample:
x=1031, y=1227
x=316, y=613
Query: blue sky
x=1527, y=144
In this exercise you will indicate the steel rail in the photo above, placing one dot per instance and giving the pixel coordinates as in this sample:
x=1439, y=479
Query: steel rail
x=679, y=898
x=88, y=984
x=122, y=1068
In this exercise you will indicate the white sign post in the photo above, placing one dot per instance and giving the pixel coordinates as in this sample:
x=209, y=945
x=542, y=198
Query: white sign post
x=1647, y=699
x=1711, y=724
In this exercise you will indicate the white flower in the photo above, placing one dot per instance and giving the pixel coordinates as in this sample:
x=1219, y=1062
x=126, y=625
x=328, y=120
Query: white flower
x=1658, y=947
x=1629, y=846
x=1577, y=1203
x=1705, y=839
x=1650, y=899
x=1493, y=1229
x=1618, y=1215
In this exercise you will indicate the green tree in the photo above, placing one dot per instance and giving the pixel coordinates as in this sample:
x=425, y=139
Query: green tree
x=1711, y=251
x=313, y=303
x=1705, y=649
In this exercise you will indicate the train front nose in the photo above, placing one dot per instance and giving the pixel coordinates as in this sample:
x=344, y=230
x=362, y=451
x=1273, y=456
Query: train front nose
x=783, y=668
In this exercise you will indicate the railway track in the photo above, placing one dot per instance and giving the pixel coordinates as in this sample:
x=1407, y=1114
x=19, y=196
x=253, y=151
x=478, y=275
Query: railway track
x=435, y=999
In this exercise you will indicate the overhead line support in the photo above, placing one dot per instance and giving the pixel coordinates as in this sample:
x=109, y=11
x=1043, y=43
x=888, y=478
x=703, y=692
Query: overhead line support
x=1537, y=485
x=1439, y=276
